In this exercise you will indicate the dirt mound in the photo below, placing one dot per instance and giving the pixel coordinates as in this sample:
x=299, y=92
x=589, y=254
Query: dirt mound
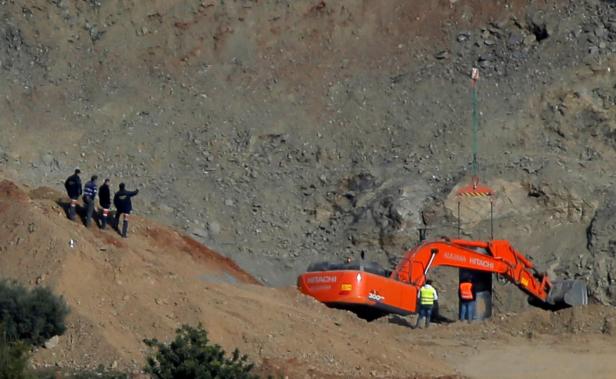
x=121, y=291
x=590, y=320
x=112, y=285
x=11, y=192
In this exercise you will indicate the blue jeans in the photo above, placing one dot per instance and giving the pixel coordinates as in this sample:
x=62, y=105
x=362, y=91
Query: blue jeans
x=424, y=312
x=467, y=310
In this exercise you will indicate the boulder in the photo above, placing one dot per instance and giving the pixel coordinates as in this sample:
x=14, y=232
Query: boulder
x=213, y=227
x=52, y=342
x=602, y=246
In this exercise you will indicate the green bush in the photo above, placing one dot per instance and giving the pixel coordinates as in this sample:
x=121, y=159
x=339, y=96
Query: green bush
x=32, y=316
x=14, y=360
x=191, y=355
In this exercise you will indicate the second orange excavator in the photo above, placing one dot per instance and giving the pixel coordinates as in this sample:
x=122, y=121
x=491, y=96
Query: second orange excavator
x=371, y=291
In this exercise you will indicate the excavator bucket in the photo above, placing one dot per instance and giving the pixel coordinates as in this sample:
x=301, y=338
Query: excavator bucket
x=568, y=293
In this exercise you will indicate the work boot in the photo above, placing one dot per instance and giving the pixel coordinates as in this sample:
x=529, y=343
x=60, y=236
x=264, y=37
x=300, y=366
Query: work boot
x=125, y=229
x=418, y=323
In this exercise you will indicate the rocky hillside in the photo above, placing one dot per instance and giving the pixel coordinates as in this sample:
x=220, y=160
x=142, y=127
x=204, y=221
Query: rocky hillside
x=286, y=132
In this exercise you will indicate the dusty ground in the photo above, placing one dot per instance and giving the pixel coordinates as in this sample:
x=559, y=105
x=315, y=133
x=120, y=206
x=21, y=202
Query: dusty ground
x=121, y=291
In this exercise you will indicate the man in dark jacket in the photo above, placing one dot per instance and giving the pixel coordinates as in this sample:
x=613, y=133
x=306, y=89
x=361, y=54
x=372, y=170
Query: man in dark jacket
x=122, y=202
x=89, y=197
x=73, y=190
x=104, y=199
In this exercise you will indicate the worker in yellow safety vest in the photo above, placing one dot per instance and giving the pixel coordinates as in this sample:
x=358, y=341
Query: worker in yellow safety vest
x=426, y=297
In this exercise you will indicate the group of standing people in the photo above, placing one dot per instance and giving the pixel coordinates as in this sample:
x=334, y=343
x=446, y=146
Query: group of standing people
x=427, y=298
x=121, y=201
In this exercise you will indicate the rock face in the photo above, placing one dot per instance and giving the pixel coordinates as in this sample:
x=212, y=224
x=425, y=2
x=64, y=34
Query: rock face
x=383, y=215
x=602, y=245
x=242, y=123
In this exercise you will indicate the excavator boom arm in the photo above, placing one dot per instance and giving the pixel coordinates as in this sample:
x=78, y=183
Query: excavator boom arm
x=374, y=292
x=494, y=256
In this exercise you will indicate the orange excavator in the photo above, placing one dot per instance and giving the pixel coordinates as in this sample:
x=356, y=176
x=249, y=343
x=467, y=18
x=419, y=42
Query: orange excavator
x=371, y=292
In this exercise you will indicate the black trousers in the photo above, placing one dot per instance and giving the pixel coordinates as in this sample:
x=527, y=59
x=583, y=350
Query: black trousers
x=116, y=221
x=89, y=209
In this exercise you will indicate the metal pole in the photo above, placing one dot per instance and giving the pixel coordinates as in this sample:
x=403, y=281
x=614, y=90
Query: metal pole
x=459, y=219
x=475, y=127
x=475, y=168
x=491, y=219
x=433, y=253
x=422, y=234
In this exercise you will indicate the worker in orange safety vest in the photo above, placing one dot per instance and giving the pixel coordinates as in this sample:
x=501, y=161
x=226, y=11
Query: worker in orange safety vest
x=467, y=300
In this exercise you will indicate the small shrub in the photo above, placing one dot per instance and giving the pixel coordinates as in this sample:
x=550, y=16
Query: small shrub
x=14, y=360
x=191, y=355
x=32, y=316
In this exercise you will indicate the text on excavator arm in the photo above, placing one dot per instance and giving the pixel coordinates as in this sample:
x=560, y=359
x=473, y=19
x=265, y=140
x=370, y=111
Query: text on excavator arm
x=496, y=256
